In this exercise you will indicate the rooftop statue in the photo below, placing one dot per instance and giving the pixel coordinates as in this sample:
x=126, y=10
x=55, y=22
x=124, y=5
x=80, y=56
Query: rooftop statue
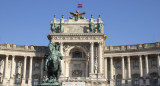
x=100, y=25
x=53, y=25
x=77, y=15
x=53, y=65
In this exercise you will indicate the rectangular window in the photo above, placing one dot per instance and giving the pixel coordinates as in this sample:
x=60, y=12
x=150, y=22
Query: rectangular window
x=135, y=64
x=18, y=81
x=118, y=82
x=19, y=64
x=35, y=81
x=118, y=65
x=36, y=65
x=154, y=63
x=136, y=81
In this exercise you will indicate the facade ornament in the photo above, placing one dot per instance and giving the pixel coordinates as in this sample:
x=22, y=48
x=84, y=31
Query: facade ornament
x=54, y=16
x=99, y=16
x=53, y=27
x=91, y=16
x=53, y=65
x=99, y=27
x=62, y=16
x=92, y=27
x=62, y=27
x=77, y=15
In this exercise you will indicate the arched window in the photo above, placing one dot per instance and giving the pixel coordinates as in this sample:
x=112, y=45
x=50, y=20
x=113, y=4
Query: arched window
x=77, y=54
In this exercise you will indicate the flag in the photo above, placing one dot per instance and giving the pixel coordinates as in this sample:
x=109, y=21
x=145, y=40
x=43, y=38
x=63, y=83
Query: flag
x=80, y=5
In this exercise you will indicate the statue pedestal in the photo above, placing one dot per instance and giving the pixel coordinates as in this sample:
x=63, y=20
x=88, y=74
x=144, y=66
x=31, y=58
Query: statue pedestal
x=50, y=84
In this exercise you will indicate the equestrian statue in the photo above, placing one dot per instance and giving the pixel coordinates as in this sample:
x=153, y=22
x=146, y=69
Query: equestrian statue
x=53, y=65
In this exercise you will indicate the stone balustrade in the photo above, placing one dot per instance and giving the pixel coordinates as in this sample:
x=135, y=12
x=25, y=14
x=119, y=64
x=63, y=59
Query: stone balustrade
x=132, y=47
x=22, y=47
x=71, y=21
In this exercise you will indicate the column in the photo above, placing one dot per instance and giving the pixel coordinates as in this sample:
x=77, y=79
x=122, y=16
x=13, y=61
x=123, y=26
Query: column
x=158, y=66
x=123, y=75
x=129, y=71
x=87, y=62
x=6, y=70
x=30, y=71
x=61, y=48
x=100, y=57
x=24, y=71
x=92, y=58
x=12, y=71
x=141, y=70
x=111, y=71
x=42, y=66
x=62, y=61
x=147, y=70
x=105, y=65
x=67, y=68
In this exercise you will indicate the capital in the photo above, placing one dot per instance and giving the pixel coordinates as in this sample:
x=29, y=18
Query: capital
x=25, y=56
x=100, y=43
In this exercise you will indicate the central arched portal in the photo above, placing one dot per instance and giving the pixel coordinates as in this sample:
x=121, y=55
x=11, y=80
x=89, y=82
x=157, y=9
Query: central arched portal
x=78, y=62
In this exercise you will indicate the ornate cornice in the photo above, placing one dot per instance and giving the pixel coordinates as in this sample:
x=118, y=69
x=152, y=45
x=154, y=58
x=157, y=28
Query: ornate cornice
x=132, y=48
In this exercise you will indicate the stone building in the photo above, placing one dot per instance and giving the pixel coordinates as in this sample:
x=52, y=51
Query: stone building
x=85, y=58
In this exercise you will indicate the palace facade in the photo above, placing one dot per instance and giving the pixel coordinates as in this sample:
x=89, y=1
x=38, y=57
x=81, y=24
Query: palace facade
x=85, y=58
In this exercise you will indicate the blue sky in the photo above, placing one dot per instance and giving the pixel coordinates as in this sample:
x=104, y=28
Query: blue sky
x=27, y=22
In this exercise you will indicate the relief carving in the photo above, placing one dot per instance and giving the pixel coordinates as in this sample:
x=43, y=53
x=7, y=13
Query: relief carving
x=77, y=73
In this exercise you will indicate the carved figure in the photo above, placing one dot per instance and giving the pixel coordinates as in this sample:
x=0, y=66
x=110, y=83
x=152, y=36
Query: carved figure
x=92, y=27
x=77, y=14
x=61, y=27
x=100, y=25
x=53, y=65
x=53, y=27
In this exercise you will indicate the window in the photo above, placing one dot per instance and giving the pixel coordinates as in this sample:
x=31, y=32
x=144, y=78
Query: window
x=154, y=62
x=136, y=81
x=154, y=80
x=118, y=82
x=77, y=54
x=36, y=64
x=118, y=65
x=18, y=81
x=135, y=64
x=35, y=81
x=19, y=64
x=1, y=62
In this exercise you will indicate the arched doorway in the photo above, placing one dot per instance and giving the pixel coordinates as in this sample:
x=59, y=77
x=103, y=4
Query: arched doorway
x=77, y=62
